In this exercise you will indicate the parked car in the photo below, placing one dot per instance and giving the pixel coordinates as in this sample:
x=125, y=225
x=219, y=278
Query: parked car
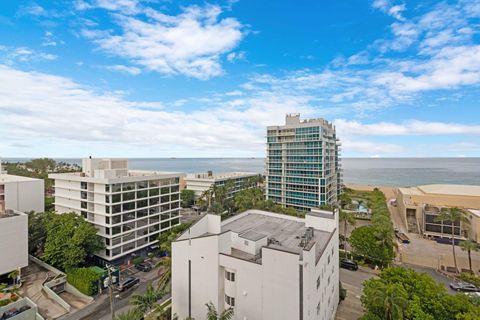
x=349, y=264
x=144, y=266
x=127, y=283
x=464, y=286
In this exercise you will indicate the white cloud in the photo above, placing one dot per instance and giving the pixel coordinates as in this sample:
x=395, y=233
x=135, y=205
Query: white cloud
x=123, y=6
x=190, y=43
x=408, y=128
x=11, y=55
x=387, y=7
x=60, y=111
x=49, y=40
x=233, y=56
x=121, y=68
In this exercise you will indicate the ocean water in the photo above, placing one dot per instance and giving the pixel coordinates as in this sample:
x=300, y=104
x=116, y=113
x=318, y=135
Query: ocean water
x=372, y=171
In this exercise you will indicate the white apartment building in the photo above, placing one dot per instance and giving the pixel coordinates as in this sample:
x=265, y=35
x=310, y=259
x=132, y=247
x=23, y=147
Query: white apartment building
x=201, y=182
x=129, y=208
x=263, y=265
x=21, y=193
x=13, y=240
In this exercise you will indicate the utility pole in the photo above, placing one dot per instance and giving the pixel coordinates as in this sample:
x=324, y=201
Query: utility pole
x=110, y=292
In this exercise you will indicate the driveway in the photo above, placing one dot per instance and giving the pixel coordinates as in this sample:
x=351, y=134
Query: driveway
x=351, y=307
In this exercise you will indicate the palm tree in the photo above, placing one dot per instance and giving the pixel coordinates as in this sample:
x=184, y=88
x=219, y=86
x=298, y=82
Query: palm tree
x=452, y=215
x=132, y=314
x=469, y=246
x=212, y=313
x=144, y=303
x=347, y=219
x=393, y=299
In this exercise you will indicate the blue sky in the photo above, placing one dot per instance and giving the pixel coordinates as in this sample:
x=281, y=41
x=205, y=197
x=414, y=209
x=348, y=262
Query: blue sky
x=131, y=78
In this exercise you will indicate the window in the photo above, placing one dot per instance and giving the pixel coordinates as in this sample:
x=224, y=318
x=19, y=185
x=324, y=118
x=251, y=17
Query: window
x=318, y=282
x=107, y=220
x=107, y=188
x=318, y=308
x=230, y=276
x=107, y=199
x=128, y=196
x=246, y=242
x=83, y=185
x=230, y=301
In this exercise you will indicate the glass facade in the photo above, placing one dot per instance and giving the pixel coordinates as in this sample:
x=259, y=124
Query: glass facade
x=302, y=166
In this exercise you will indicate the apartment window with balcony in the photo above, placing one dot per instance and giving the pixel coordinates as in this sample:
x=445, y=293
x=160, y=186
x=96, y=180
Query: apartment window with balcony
x=142, y=194
x=230, y=301
x=230, y=276
x=107, y=209
x=83, y=195
x=154, y=192
x=107, y=188
x=117, y=187
x=165, y=224
x=116, y=198
x=83, y=185
x=107, y=199
x=128, y=196
x=83, y=205
x=128, y=186
x=107, y=220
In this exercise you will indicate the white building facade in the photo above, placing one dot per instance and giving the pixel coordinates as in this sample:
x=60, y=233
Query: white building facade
x=13, y=240
x=201, y=182
x=263, y=265
x=21, y=193
x=128, y=208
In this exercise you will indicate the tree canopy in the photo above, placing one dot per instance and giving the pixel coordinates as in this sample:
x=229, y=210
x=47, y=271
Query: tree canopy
x=69, y=241
x=402, y=293
x=188, y=197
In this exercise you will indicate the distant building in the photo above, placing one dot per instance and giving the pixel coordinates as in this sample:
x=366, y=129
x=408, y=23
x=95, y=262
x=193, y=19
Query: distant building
x=419, y=206
x=263, y=265
x=21, y=193
x=303, y=163
x=128, y=208
x=201, y=182
x=13, y=240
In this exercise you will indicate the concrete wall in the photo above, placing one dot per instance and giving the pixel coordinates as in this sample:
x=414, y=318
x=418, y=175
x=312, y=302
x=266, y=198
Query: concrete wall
x=13, y=243
x=25, y=196
x=31, y=314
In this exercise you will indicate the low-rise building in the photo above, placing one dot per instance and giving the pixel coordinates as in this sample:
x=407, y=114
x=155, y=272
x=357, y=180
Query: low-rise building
x=128, y=208
x=13, y=241
x=263, y=265
x=21, y=193
x=201, y=182
x=419, y=206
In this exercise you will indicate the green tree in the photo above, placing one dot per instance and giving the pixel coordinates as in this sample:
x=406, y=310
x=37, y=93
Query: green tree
x=187, y=197
x=452, y=216
x=144, y=303
x=37, y=231
x=132, y=314
x=344, y=199
x=249, y=199
x=347, y=219
x=419, y=296
x=69, y=241
x=364, y=242
x=469, y=246
x=212, y=313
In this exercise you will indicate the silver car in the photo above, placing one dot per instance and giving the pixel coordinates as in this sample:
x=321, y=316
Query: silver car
x=464, y=286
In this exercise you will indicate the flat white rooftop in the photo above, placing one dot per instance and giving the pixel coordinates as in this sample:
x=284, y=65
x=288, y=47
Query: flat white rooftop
x=11, y=178
x=443, y=189
x=219, y=176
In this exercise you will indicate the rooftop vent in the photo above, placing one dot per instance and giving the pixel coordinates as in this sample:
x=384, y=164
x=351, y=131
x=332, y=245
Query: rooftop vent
x=274, y=241
x=306, y=237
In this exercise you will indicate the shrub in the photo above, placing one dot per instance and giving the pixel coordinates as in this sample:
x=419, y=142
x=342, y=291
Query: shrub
x=84, y=279
x=138, y=260
x=4, y=302
x=470, y=278
x=343, y=292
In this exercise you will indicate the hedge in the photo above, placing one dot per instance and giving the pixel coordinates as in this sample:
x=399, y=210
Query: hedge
x=84, y=279
x=138, y=260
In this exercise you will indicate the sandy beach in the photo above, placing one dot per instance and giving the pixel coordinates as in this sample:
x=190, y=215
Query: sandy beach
x=388, y=191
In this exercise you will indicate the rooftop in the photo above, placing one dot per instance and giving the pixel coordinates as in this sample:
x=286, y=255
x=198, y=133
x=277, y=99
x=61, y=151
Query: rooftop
x=5, y=178
x=9, y=213
x=443, y=189
x=286, y=233
x=475, y=212
x=219, y=176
